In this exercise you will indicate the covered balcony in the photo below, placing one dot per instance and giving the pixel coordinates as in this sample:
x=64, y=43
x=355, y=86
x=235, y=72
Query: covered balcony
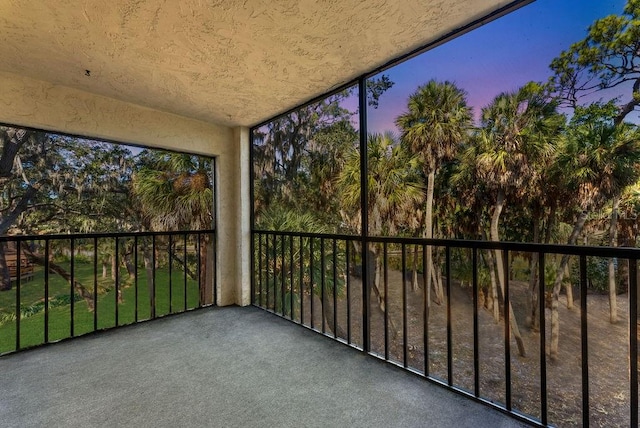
x=259, y=320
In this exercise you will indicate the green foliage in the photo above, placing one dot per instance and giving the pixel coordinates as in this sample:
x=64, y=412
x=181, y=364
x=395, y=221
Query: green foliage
x=606, y=58
x=298, y=157
x=282, y=277
x=283, y=219
x=436, y=122
x=174, y=191
x=601, y=155
x=597, y=274
x=394, y=185
x=376, y=87
x=60, y=183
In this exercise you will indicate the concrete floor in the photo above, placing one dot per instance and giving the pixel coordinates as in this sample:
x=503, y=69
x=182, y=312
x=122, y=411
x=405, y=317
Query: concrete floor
x=222, y=367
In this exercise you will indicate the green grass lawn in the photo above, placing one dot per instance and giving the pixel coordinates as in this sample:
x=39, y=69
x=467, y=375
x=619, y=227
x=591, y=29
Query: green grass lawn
x=32, y=292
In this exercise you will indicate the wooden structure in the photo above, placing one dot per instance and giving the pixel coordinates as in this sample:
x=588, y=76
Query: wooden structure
x=12, y=259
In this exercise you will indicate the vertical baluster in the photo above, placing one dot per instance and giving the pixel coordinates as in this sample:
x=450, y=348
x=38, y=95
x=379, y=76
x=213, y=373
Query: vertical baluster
x=170, y=274
x=385, y=269
x=95, y=283
x=46, y=291
x=335, y=289
x=507, y=330
x=275, y=272
x=291, y=276
x=311, y=282
x=72, y=293
x=543, y=340
x=153, y=276
x=633, y=340
x=18, y=283
x=323, y=268
x=259, y=256
x=185, y=272
x=426, y=304
x=348, y=279
x=267, y=252
x=476, y=348
x=135, y=276
x=300, y=244
x=405, y=336
x=283, y=287
x=201, y=281
x=584, y=340
x=117, y=278
x=449, y=327
x=214, y=273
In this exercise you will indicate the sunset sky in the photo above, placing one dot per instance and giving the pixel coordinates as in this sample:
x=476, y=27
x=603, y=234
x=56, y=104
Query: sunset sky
x=500, y=56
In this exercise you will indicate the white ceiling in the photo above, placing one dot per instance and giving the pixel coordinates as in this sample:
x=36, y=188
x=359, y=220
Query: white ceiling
x=229, y=62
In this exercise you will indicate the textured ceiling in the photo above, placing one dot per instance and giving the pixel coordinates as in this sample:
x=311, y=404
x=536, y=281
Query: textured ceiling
x=222, y=61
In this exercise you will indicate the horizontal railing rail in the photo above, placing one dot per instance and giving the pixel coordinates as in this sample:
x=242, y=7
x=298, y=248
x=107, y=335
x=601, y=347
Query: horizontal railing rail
x=84, y=283
x=495, y=321
x=587, y=250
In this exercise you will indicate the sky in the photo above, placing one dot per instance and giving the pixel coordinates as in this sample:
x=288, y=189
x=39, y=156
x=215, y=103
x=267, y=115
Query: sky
x=497, y=57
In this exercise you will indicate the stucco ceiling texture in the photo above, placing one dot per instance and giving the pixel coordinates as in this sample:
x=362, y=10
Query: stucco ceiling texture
x=229, y=62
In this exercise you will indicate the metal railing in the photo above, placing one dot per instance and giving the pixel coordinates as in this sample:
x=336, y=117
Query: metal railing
x=83, y=283
x=571, y=366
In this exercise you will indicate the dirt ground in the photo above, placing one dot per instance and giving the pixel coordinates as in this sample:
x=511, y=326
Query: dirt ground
x=608, y=349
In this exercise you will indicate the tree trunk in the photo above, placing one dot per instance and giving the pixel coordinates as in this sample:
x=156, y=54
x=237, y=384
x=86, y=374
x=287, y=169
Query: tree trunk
x=428, y=233
x=613, y=240
x=494, y=235
x=5, y=273
x=555, y=295
x=414, y=276
x=437, y=283
x=104, y=269
x=205, y=284
x=77, y=285
x=148, y=267
x=495, y=218
x=533, y=321
x=128, y=262
x=114, y=266
x=568, y=287
x=374, y=281
x=492, y=298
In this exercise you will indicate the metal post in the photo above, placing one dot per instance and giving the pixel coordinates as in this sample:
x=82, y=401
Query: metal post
x=584, y=340
x=364, y=207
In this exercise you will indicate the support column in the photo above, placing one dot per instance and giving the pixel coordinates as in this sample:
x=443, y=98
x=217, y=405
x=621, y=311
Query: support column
x=243, y=233
x=233, y=222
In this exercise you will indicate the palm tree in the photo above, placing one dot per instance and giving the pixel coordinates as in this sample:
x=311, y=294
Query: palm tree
x=435, y=123
x=516, y=135
x=175, y=192
x=394, y=188
x=598, y=159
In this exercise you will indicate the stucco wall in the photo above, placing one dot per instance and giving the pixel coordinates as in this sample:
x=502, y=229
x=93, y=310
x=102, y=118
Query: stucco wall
x=33, y=103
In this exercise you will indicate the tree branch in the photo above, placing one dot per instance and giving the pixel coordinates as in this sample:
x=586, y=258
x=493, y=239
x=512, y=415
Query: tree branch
x=54, y=268
x=631, y=105
x=20, y=207
x=14, y=139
